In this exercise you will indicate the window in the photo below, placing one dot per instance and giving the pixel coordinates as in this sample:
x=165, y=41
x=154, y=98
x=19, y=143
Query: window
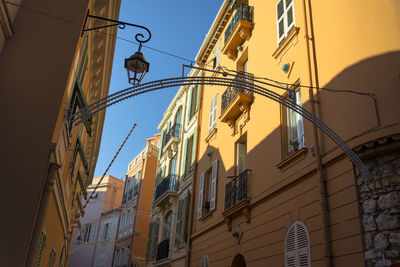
x=186, y=217
x=40, y=249
x=179, y=223
x=297, y=246
x=167, y=226
x=193, y=104
x=52, y=257
x=213, y=113
x=292, y=126
x=87, y=233
x=217, y=55
x=284, y=18
x=116, y=258
x=105, y=231
x=204, y=261
x=241, y=157
x=189, y=151
x=78, y=101
x=207, y=190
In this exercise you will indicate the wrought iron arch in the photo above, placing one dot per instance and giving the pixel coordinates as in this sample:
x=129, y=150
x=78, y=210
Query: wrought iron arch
x=249, y=84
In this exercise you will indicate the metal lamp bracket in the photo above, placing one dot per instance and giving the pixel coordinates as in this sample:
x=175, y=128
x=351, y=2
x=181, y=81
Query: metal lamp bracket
x=121, y=24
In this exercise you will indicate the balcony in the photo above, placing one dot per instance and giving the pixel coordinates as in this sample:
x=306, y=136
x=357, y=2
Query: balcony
x=162, y=250
x=165, y=189
x=171, y=140
x=238, y=31
x=236, y=199
x=236, y=100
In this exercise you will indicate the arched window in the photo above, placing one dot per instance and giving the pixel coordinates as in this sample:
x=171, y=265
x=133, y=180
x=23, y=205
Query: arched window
x=297, y=246
x=204, y=261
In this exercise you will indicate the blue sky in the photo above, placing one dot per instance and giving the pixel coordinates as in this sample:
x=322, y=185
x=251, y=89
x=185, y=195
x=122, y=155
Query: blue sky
x=178, y=27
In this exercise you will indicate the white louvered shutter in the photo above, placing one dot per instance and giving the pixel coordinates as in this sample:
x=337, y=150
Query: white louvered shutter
x=210, y=122
x=200, y=199
x=297, y=246
x=213, y=184
x=215, y=111
x=303, y=245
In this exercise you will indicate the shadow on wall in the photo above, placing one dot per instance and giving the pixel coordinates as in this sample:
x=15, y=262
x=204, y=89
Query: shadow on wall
x=350, y=114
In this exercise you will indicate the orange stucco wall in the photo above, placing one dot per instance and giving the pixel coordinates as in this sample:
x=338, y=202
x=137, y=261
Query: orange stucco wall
x=350, y=46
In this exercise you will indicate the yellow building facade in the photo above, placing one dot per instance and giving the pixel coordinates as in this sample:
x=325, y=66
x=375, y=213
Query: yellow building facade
x=269, y=188
x=48, y=72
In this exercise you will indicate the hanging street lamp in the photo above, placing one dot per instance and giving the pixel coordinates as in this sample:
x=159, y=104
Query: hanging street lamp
x=136, y=66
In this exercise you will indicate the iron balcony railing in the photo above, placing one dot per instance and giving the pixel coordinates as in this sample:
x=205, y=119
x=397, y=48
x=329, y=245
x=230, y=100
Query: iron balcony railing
x=174, y=131
x=236, y=190
x=244, y=12
x=231, y=92
x=168, y=184
x=162, y=250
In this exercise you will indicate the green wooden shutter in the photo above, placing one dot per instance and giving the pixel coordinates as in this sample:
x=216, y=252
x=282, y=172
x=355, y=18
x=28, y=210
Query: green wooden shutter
x=178, y=223
x=189, y=105
x=193, y=147
x=149, y=242
x=154, y=240
x=187, y=210
x=184, y=158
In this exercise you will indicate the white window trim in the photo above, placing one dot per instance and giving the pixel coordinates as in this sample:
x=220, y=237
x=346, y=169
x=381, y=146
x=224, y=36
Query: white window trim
x=286, y=28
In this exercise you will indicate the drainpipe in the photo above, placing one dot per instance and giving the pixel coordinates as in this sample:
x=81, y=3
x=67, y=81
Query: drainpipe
x=48, y=185
x=327, y=246
x=192, y=196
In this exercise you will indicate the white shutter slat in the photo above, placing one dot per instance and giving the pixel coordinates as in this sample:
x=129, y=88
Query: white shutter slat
x=200, y=199
x=213, y=185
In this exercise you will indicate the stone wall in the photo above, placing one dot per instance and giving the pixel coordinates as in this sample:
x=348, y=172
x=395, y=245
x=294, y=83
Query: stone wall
x=380, y=202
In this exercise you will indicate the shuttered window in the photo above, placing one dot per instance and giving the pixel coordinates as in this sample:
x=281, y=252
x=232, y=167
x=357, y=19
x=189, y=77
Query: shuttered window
x=213, y=113
x=297, y=246
x=213, y=185
x=40, y=249
x=200, y=200
x=285, y=18
x=52, y=258
x=187, y=211
x=149, y=242
x=179, y=223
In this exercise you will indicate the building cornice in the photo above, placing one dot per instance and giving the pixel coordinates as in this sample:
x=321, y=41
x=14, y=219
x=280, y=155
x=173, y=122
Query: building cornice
x=214, y=33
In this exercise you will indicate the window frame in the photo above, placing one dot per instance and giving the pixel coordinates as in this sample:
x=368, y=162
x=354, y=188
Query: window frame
x=286, y=119
x=286, y=28
x=208, y=190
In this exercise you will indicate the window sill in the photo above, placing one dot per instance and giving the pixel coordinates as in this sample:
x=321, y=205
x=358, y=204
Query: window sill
x=206, y=215
x=286, y=42
x=292, y=158
x=211, y=134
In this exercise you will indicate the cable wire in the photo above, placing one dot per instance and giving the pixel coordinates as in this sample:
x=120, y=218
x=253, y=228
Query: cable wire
x=99, y=31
